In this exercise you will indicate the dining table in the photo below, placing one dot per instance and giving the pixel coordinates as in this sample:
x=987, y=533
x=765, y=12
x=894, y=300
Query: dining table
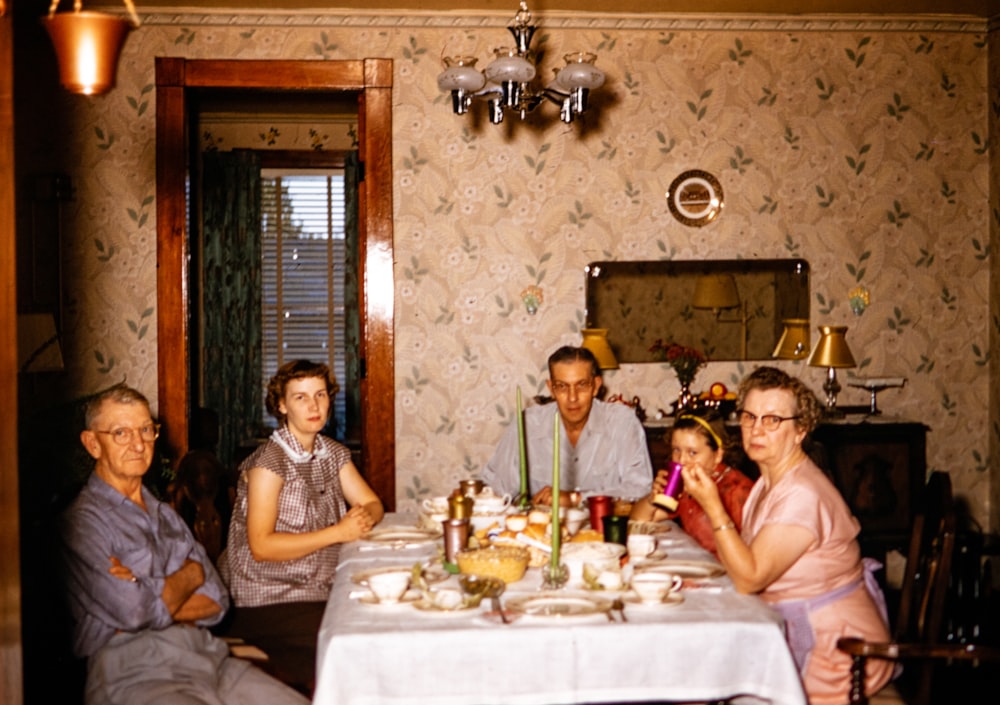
x=708, y=643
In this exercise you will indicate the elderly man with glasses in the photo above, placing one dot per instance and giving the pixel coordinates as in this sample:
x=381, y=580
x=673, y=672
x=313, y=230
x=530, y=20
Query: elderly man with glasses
x=602, y=446
x=141, y=589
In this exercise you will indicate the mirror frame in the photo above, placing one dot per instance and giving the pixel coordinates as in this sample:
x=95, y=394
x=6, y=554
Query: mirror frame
x=636, y=288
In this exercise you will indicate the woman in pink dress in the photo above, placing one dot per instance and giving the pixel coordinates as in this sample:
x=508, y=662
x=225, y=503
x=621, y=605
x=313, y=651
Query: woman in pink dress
x=798, y=547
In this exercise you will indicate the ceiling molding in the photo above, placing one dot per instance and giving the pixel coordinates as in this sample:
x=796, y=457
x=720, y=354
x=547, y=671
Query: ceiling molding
x=564, y=20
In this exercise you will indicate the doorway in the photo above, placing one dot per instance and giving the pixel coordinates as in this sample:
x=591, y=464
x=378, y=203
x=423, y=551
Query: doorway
x=178, y=82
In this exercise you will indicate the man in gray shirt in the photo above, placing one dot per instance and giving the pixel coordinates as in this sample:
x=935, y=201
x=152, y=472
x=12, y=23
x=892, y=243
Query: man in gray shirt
x=602, y=447
x=141, y=589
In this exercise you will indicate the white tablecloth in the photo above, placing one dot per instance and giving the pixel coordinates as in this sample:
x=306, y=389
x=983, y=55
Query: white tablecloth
x=717, y=644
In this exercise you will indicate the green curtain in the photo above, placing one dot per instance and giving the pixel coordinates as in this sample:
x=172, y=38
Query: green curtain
x=231, y=296
x=352, y=305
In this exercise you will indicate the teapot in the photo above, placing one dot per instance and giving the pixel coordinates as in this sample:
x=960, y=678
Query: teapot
x=487, y=501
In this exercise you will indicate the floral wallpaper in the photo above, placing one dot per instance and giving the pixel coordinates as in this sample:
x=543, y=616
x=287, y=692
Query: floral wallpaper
x=858, y=144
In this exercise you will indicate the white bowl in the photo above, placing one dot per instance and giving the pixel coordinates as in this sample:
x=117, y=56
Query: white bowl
x=599, y=556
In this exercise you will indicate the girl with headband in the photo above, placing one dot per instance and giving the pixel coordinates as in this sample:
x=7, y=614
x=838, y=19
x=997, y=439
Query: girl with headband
x=696, y=439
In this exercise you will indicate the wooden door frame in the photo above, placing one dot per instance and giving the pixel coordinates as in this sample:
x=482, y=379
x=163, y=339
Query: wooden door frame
x=371, y=79
x=11, y=656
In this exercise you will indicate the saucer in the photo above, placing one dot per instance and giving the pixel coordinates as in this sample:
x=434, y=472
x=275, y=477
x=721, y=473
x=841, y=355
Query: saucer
x=425, y=605
x=670, y=600
x=654, y=557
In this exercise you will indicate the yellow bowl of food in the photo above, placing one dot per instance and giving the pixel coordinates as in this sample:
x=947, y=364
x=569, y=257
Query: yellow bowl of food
x=508, y=563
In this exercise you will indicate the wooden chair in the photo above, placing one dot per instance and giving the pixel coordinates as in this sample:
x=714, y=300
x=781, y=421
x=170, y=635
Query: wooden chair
x=918, y=634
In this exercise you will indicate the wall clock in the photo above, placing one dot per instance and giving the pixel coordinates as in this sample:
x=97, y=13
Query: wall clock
x=695, y=198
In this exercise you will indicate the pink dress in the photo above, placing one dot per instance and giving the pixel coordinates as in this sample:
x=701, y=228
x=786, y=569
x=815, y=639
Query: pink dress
x=806, y=497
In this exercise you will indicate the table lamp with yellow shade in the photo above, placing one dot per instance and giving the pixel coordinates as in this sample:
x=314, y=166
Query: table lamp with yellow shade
x=794, y=341
x=596, y=341
x=832, y=352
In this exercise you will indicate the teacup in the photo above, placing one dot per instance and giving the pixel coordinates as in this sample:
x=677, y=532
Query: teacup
x=654, y=587
x=640, y=545
x=489, y=502
x=389, y=587
x=435, y=505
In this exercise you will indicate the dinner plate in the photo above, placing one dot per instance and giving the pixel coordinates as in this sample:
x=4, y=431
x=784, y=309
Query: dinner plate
x=402, y=535
x=685, y=569
x=671, y=599
x=558, y=606
x=409, y=597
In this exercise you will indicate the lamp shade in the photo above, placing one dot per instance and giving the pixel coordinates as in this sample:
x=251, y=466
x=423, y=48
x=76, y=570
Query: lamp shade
x=596, y=341
x=460, y=74
x=87, y=46
x=580, y=72
x=715, y=291
x=794, y=341
x=832, y=349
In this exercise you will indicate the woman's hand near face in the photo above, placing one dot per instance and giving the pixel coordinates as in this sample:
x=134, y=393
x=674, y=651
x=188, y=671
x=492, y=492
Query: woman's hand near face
x=700, y=485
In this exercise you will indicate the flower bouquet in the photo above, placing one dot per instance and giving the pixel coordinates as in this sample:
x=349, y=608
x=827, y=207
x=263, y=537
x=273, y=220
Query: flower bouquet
x=686, y=363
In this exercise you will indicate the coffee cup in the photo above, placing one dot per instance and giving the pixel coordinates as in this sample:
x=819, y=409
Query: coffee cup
x=640, y=545
x=654, y=587
x=389, y=587
x=435, y=505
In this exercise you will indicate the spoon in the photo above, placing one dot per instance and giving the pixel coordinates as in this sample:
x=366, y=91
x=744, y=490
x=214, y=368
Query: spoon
x=494, y=590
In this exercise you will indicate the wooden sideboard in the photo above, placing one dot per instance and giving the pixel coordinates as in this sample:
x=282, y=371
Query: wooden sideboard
x=878, y=464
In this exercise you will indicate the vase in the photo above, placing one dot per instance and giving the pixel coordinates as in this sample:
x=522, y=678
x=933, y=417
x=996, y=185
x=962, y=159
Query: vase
x=685, y=398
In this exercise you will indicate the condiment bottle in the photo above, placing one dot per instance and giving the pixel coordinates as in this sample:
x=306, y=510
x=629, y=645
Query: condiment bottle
x=672, y=491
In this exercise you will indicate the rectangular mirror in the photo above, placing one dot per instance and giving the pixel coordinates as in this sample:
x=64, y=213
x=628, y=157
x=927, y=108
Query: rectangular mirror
x=728, y=309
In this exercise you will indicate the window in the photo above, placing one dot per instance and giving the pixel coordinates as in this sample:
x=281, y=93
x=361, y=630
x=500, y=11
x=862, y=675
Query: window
x=302, y=275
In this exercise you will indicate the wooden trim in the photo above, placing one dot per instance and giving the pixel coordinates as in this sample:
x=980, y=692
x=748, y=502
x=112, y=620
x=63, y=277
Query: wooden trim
x=372, y=80
x=11, y=655
x=301, y=159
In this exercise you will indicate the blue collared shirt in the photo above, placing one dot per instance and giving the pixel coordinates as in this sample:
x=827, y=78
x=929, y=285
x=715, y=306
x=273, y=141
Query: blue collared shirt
x=610, y=457
x=153, y=544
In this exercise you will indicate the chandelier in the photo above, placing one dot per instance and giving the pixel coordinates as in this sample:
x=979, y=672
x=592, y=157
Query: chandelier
x=507, y=83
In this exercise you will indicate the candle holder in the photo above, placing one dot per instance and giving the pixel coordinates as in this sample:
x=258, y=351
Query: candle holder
x=554, y=576
x=522, y=501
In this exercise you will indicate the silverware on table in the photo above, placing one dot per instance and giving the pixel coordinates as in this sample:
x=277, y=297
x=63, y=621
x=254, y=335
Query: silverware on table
x=619, y=606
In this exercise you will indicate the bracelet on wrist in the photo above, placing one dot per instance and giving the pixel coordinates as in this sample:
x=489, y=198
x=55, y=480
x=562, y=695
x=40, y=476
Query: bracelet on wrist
x=724, y=527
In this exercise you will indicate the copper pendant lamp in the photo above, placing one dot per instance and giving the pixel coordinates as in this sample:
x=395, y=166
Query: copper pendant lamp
x=87, y=45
